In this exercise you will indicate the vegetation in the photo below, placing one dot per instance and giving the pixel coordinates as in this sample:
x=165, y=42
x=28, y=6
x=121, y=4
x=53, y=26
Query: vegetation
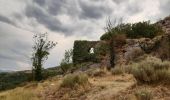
x=15, y=79
x=143, y=94
x=117, y=70
x=66, y=63
x=164, y=48
x=136, y=30
x=102, y=49
x=144, y=68
x=111, y=39
x=11, y=80
x=71, y=81
x=144, y=29
x=98, y=73
x=19, y=94
x=40, y=53
x=151, y=70
x=81, y=52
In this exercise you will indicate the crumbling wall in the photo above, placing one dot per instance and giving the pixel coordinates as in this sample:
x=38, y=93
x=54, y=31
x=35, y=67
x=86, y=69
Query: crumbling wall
x=81, y=51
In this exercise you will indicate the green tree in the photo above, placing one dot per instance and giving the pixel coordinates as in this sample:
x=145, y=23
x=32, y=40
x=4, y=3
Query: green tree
x=66, y=61
x=68, y=56
x=40, y=54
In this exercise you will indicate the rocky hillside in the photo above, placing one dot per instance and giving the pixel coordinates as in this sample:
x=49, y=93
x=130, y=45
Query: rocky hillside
x=165, y=24
x=158, y=46
x=142, y=72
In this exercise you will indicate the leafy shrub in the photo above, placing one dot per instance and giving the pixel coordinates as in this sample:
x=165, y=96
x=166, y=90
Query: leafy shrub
x=71, y=81
x=117, y=70
x=136, y=30
x=105, y=36
x=143, y=94
x=65, y=67
x=151, y=70
x=144, y=29
x=121, y=29
x=120, y=39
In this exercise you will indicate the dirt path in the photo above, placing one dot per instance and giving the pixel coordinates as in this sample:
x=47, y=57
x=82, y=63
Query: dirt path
x=104, y=88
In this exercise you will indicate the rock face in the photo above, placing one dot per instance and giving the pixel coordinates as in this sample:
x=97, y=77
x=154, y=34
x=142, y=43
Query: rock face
x=165, y=24
x=159, y=46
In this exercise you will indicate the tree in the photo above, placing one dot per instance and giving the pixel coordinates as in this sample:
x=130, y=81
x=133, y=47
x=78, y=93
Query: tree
x=66, y=62
x=112, y=32
x=40, y=54
x=68, y=56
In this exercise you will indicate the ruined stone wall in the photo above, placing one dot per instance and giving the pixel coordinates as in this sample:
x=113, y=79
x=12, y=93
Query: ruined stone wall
x=81, y=51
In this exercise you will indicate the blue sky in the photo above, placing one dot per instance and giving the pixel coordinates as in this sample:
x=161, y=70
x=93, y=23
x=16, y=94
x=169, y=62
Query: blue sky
x=65, y=21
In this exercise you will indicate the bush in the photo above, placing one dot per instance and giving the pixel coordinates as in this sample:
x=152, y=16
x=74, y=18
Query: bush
x=136, y=30
x=143, y=94
x=99, y=73
x=12, y=80
x=144, y=29
x=71, y=81
x=65, y=67
x=105, y=36
x=117, y=70
x=151, y=70
x=50, y=73
x=120, y=39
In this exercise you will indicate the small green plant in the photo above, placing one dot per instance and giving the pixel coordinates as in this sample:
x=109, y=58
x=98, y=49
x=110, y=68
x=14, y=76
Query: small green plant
x=143, y=94
x=73, y=80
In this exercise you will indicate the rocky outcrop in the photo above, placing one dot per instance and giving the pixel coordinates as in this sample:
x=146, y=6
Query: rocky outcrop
x=165, y=24
x=134, y=48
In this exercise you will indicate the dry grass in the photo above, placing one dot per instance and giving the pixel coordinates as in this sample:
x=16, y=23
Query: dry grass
x=86, y=88
x=99, y=72
x=31, y=91
x=151, y=70
x=143, y=94
x=19, y=94
x=73, y=80
x=118, y=70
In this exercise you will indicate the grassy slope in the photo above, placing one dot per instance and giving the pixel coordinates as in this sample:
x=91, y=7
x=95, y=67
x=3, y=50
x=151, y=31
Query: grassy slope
x=100, y=86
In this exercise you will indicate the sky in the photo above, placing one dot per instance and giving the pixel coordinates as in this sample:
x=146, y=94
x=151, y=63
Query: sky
x=64, y=21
